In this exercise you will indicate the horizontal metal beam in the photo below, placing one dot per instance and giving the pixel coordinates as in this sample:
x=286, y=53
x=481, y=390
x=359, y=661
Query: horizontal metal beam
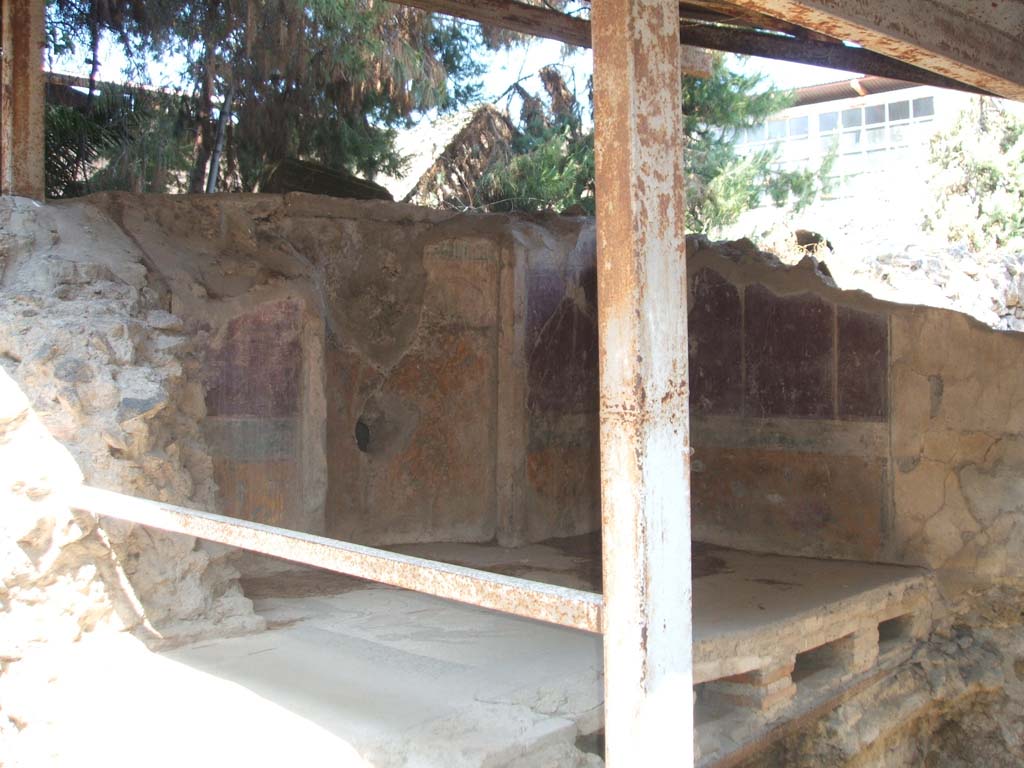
x=544, y=22
x=540, y=22
x=820, y=54
x=531, y=599
x=513, y=15
x=968, y=41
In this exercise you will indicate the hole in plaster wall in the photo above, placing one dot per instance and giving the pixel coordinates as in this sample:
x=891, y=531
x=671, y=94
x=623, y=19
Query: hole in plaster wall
x=363, y=436
x=385, y=425
x=894, y=632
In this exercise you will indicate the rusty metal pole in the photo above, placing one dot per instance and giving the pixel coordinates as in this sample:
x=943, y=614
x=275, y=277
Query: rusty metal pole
x=22, y=97
x=645, y=481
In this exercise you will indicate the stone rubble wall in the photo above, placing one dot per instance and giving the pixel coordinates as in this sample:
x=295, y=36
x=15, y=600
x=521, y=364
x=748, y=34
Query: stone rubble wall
x=92, y=360
x=957, y=703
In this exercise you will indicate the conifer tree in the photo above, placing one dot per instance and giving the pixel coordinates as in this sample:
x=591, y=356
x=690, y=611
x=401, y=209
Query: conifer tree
x=550, y=164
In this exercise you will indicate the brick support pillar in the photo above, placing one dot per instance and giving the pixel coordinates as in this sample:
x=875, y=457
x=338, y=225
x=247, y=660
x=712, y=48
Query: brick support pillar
x=764, y=689
x=22, y=97
x=858, y=652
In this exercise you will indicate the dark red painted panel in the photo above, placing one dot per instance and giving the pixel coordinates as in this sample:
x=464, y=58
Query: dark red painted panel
x=716, y=348
x=789, y=355
x=254, y=369
x=561, y=344
x=863, y=365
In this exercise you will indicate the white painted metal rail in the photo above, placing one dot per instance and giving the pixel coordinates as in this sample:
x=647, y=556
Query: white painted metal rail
x=521, y=597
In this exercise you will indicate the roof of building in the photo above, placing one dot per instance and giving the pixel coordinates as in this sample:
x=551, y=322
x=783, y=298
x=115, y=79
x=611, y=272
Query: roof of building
x=847, y=89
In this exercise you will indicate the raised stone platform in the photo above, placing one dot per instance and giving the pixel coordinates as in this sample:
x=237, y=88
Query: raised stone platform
x=353, y=673
x=775, y=637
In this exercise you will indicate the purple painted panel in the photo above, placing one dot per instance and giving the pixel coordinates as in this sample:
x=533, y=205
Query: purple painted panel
x=716, y=348
x=863, y=365
x=789, y=355
x=254, y=367
x=562, y=343
x=545, y=290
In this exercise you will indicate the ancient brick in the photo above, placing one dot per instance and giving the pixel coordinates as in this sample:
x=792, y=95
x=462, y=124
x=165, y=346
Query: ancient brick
x=763, y=689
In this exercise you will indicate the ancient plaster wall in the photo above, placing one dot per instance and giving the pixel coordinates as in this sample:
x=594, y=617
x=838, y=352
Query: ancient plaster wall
x=562, y=481
x=252, y=308
x=384, y=373
x=828, y=423
x=957, y=445
x=389, y=374
x=440, y=423
x=789, y=397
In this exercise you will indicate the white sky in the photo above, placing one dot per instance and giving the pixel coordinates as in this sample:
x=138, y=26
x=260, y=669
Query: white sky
x=504, y=67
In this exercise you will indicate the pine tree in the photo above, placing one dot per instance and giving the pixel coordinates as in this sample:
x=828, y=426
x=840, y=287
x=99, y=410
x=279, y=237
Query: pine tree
x=327, y=80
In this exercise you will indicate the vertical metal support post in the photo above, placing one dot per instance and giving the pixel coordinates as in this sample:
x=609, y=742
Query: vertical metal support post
x=645, y=480
x=22, y=97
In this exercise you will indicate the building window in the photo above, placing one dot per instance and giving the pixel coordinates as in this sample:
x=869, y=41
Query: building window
x=924, y=107
x=874, y=114
x=776, y=129
x=899, y=110
x=867, y=139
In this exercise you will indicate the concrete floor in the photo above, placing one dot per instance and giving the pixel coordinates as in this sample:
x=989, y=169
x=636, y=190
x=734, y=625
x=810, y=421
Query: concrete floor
x=353, y=674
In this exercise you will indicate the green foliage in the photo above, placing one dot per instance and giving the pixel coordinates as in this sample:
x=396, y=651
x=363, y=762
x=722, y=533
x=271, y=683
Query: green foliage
x=74, y=142
x=555, y=173
x=117, y=140
x=552, y=167
x=323, y=80
x=721, y=183
x=979, y=178
x=551, y=162
x=152, y=152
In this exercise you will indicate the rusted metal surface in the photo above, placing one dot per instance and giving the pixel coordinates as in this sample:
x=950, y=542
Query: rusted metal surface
x=820, y=54
x=645, y=504
x=515, y=16
x=22, y=41
x=543, y=602
x=924, y=41
x=541, y=22
x=968, y=42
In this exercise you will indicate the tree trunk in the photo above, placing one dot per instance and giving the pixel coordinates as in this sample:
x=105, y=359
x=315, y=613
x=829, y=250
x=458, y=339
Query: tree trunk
x=218, y=147
x=204, y=132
